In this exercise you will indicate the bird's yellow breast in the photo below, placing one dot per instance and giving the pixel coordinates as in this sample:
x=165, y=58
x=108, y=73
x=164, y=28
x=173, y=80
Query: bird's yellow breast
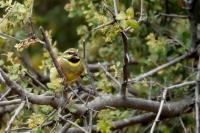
x=71, y=70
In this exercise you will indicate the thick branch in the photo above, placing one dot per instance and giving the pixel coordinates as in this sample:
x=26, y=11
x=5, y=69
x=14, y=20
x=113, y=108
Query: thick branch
x=169, y=109
x=120, y=123
x=6, y=109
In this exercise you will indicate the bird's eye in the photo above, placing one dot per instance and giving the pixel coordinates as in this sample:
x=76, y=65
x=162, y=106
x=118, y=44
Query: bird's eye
x=70, y=53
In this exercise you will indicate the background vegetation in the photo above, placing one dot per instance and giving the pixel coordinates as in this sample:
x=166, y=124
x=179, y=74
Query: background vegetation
x=157, y=32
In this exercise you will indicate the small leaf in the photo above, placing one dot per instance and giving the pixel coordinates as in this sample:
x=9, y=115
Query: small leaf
x=71, y=108
x=38, y=130
x=133, y=23
x=121, y=16
x=130, y=13
x=81, y=30
x=1, y=62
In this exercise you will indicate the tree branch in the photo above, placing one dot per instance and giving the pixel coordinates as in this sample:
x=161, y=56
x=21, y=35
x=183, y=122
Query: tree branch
x=53, y=56
x=120, y=123
x=159, y=111
x=17, y=111
x=197, y=97
x=35, y=99
x=6, y=109
x=102, y=102
x=155, y=70
x=4, y=103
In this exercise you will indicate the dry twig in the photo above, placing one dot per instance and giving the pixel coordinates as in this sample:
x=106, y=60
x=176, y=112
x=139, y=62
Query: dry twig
x=17, y=111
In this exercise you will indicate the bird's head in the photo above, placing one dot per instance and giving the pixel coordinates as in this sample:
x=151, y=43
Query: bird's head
x=71, y=55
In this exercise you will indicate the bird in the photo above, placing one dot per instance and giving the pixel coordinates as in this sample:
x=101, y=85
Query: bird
x=72, y=65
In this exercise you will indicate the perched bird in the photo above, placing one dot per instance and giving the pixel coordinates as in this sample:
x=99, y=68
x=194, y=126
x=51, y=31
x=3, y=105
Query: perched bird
x=71, y=64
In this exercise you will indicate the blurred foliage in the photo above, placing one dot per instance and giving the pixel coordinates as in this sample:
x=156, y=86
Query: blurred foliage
x=156, y=40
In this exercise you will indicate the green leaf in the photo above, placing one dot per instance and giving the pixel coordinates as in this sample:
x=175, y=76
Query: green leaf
x=130, y=13
x=1, y=62
x=71, y=107
x=121, y=16
x=38, y=130
x=81, y=30
x=133, y=23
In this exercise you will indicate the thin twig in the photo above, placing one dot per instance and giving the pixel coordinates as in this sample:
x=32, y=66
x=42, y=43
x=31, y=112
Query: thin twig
x=76, y=125
x=115, y=7
x=6, y=36
x=5, y=94
x=17, y=111
x=65, y=128
x=159, y=111
x=141, y=18
x=181, y=85
x=173, y=15
x=4, y=103
x=49, y=115
x=155, y=70
x=90, y=120
x=37, y=81
x=141, y=11
x=183, y=125
x=31, y=30
x=103, y=25
x=109, y=74
x=125, y=67
x=87, y=67
x=197, y=97
x=123, y=91
x=72, y=123
x=8, y=13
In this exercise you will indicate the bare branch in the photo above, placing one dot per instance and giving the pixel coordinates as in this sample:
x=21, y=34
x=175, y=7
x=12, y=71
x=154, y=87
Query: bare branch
x=76, y=125
x=65, y=128
x=155, y=70
x=125, y=67
x=173, y=15
x=183, y=125
x=72, y=123
x=115, y=3
x=53, y=56
x=121, y=123
x=37, y=99
x=109, y=75
x=159, y=111
x=17, y=111
x=87, y=67
x=4, y=103
x=102, y=102
x=6, y=109
x=181, y=85
x=5, y=94
x=37, y=81
x=5, y=36
x=104, y=25
x=133, y=120
x=197, y=97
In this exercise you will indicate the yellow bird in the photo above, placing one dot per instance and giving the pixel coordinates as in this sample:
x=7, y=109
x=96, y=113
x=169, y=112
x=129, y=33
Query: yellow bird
x=71, y=64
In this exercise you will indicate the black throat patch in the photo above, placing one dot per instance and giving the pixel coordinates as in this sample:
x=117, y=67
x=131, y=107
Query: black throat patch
x=74, y=60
